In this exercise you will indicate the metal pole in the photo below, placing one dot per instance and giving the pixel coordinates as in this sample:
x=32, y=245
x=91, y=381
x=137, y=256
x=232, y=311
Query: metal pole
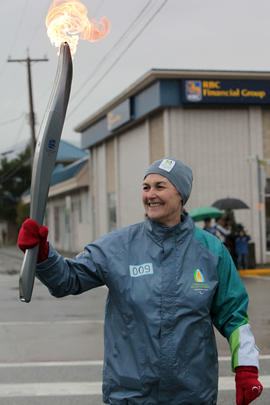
x=260, y=202
x=31, y=105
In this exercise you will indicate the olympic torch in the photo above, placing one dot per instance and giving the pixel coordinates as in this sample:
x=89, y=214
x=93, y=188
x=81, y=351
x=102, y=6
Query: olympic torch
x=66, y=23
x=44, y=161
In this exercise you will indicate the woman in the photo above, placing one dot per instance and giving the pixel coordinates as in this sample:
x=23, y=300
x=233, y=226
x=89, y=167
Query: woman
x=168, y=284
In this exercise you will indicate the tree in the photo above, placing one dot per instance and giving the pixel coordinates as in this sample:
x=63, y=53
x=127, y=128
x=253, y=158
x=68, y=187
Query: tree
x=15, y=179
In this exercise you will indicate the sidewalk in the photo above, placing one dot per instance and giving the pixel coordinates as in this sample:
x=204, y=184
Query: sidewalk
x=11, y=258
x=15, y=251
x=255, y=272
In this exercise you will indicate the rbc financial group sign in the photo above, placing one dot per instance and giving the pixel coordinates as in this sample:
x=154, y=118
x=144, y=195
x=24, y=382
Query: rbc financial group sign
x=226, y=91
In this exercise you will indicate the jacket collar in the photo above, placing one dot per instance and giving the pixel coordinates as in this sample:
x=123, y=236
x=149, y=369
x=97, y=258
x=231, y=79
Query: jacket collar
x=159, y=233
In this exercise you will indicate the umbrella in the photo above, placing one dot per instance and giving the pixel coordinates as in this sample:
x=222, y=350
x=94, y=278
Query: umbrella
x=230, y=204
x=201, y=213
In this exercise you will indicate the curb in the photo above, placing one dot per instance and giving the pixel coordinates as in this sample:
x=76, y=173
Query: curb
x=254, y=272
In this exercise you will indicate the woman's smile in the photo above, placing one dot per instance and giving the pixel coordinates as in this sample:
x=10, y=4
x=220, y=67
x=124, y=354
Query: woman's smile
x=161, y=200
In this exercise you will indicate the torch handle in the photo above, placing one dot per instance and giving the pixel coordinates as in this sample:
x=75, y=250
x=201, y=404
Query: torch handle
x=44, y=161
x=27, y=275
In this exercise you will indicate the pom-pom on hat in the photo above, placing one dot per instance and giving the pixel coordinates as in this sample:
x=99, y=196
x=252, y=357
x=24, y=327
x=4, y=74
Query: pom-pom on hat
x=176, y=172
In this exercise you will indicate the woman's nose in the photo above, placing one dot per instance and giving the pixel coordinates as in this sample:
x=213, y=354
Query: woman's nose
x=151, y=193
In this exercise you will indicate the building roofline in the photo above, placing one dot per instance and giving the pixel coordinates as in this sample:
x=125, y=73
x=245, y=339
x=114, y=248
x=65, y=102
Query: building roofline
x=156, y=74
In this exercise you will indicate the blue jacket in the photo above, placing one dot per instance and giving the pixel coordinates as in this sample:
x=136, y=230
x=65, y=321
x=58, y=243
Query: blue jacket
x=167, y=286
x=241, y=244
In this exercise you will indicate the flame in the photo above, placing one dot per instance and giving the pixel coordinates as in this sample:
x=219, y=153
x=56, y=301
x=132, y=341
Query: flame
x=67, y=21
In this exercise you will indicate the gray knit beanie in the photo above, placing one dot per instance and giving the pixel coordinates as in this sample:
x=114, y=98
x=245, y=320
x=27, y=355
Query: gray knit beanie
x=176, y=172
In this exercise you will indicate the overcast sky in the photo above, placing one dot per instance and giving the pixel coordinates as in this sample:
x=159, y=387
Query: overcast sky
x=145, y=34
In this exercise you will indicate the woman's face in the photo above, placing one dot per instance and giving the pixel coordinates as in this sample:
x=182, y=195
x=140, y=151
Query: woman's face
x=161, y=200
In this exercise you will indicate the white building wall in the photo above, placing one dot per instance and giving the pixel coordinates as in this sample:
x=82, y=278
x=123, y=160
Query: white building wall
x=117, y=181
x=133, y=159
x=256, y=150
x=61, y=242
x=80, y=221
x=72, y=238
x=91, y=195
x=101, y=211
x=217, y=145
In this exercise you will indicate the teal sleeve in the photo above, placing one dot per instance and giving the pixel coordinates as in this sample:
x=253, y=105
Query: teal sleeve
x=229, y=309
x=230, y=304
x=229, y=313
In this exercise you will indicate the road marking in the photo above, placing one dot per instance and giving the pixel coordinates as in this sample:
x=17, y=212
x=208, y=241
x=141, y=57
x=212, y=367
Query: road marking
x=228, y=383
x=53, y=364
x=82, y=363
x=228, y=358
x=69, y=322
x=86, y=388
x=49, y=389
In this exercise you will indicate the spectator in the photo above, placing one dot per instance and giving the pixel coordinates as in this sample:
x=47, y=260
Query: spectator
x=4, y=237
x=208, y=226
x=241, y=249
x=222, y=232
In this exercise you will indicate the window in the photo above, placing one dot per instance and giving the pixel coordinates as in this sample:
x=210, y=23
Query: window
x=47, y=218
x=267, y=212
x=80, y=210
x=56, y=224
x=267, y=225
x=111, y=211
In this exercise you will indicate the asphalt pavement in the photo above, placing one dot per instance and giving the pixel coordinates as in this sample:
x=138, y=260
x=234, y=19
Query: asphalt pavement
x=51, y=350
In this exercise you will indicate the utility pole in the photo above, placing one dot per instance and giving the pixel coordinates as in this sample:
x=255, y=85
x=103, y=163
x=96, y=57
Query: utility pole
x=28, y=62
x=260, y=163
x=260, y=202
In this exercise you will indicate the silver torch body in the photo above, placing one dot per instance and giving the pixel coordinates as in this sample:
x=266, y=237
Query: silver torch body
x=44, y=161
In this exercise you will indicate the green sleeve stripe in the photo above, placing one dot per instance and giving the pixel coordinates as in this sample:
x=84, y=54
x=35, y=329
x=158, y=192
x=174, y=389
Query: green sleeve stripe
x=234, y=342
x=234, y=345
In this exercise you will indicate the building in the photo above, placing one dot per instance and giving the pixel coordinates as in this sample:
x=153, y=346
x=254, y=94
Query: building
x=68, y=153
x=217, y=122
x=67, y=211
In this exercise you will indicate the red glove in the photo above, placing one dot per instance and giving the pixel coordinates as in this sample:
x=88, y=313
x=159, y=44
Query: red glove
x=248, y=387
x=30, y=235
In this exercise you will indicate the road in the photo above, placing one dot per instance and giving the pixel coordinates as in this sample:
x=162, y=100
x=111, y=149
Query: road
x=51, y=350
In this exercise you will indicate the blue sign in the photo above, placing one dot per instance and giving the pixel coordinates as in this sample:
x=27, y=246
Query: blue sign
x=215, y=91
x=119, y=115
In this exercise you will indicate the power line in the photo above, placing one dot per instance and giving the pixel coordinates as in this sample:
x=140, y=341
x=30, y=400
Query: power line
x=18, y=26
x=97, y=68
x=19, y=133
x=39, y=25
x=31, y=103
x=14, y=170
x=119, y=57
x=11, y=120
x=15, y=147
